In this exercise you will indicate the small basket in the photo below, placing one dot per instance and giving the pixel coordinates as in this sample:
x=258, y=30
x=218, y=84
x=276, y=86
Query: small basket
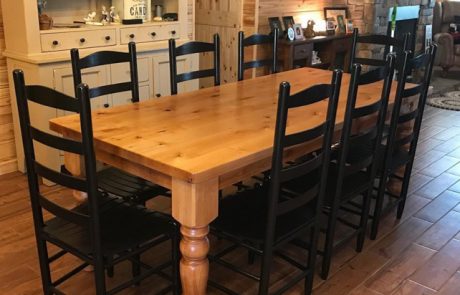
x=46, y=22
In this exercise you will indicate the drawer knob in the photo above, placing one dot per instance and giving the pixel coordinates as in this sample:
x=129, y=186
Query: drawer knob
x=55, y=42
x=106, y=105
x=158, y=95
x=173, y=32
x=82, y=40
x=107, y=38
x=153, y=34
x=131, y=36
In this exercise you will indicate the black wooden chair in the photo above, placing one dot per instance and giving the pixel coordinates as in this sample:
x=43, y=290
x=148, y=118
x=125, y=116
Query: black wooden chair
x=354, y=166
x=400, y=151
x=191, y=48
x=111, y=180
x=399, y=46
x=103, y=231
x=257, y=39
x=264, y=218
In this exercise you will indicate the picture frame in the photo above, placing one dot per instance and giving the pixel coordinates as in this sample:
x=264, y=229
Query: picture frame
x=275, y=23
x=330, y=25
x=335, y=11
x=288, y=22
x=350, y=26
x=298, y=32
x=341, y=25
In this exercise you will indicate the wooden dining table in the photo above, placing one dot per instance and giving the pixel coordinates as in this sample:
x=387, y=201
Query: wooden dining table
x=199, y=142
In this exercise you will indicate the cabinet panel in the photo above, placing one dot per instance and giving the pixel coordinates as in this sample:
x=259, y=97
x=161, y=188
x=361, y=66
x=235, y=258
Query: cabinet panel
x=80, y=39
x=162, y=85
x=97, y=76
x=121, y=73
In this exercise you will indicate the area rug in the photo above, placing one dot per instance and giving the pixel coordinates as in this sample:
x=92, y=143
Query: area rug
x=448, y=101
x=446, y=91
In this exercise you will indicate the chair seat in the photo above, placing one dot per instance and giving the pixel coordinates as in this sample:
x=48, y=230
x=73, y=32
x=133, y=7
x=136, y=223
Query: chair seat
x=127, y=186
x=243, y=216
x=123, y=226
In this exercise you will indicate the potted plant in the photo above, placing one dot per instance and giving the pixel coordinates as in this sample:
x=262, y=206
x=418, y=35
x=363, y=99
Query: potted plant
x=46, y=22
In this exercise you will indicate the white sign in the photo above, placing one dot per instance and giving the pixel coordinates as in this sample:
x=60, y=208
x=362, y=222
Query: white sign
x=133, y=9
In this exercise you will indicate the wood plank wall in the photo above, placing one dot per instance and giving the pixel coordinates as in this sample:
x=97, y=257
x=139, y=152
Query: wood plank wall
x=295, y=8
x=7, y=147
x=227, y=17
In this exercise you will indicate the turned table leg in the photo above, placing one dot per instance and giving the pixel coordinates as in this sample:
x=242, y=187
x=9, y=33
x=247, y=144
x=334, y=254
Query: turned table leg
x=194, y=206
x=194, y=266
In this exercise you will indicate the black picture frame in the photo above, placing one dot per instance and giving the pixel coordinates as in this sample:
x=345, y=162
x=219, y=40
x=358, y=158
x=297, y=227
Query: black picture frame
x=275, y=23
x=288, y=22
x=335, y=11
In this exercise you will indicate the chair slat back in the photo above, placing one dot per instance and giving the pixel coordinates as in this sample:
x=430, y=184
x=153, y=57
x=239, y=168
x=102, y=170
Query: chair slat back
x=353, y=136
x=257, y=39
x=193, y=48
x=102, y=58
x=316, y=164
x=415, y=97
x=398, y=45
x=30, y=134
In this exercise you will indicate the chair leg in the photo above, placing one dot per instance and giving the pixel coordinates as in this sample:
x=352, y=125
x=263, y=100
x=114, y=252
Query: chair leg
x=314, y=234
x=136, y=267
x=404, y=190
x=329, y=244
x=251, y=257
x=176, y=264
x=99, y=276
x=44, y=266
x=378, y=206
x=110, y=271
x=363, y=221
x=267, y=258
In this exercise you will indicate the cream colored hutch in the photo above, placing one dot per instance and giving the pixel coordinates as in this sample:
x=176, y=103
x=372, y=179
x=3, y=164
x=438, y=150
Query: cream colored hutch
x=44, y=55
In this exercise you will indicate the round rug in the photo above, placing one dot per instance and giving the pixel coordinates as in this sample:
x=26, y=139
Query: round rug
x=447, y=101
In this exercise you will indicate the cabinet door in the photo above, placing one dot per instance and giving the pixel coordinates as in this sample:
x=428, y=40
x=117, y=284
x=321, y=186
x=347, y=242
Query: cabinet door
x=97, y=76
x=162, y=86
x=120, y=73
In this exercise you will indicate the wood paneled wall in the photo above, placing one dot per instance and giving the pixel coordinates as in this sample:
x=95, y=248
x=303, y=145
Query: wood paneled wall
x=7, y=148
x=227, y=17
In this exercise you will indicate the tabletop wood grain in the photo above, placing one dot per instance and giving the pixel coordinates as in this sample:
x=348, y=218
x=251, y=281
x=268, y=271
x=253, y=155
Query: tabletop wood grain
x=210, y=132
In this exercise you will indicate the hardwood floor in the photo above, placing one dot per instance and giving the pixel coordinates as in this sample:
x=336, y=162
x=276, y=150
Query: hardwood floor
x=420, y=254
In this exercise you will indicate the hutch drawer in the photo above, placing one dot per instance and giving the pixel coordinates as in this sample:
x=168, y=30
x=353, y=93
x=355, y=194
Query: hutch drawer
x=79, y=39
x=149, y=33
x=303, y=51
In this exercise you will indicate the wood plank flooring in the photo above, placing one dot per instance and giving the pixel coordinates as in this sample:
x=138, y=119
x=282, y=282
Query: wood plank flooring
x=420, y=254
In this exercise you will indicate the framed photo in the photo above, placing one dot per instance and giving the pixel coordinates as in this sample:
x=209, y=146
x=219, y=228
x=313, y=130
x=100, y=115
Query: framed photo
x=288, y=22
x=350, y=26
x=341, y=27
x=298, y=32
x=275, y=23
x=334, y=12
x=330, y=25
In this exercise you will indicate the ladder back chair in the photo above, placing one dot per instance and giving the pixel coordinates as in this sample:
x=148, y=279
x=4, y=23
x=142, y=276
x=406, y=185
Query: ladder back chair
x=111, y=180
x=399, y=149
x=101, y=232
x=399, y=45
x=192, y=48
x=257, y=39
x=265, y=218
x=353, y=169
x=107, y=58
